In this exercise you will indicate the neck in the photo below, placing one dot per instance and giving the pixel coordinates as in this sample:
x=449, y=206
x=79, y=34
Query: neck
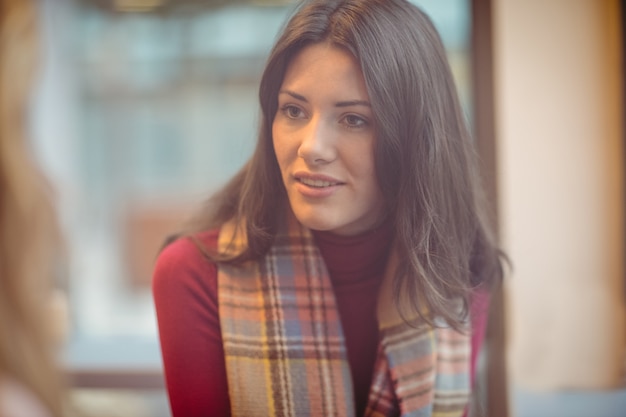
x=357, y=258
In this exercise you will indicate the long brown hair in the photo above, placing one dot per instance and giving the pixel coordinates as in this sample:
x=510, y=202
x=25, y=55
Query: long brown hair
x=28, y=233
x=425, y=161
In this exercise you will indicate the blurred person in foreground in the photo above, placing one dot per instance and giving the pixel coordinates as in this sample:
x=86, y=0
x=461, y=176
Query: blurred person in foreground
x=30, y=384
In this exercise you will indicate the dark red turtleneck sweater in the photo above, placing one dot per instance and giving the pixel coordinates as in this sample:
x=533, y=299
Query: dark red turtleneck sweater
x=185, y=294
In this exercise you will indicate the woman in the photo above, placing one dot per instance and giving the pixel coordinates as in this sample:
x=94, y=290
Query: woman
x=334, y=274
x=30, y=385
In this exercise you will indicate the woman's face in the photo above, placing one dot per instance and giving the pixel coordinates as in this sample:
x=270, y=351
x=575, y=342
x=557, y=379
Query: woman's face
x=324, y=139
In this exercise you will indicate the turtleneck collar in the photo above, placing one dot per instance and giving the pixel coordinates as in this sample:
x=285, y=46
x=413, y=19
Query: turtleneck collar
x=356, y=259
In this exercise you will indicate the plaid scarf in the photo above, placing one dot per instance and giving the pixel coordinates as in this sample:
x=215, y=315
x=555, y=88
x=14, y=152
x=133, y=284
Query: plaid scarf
x=285, y=351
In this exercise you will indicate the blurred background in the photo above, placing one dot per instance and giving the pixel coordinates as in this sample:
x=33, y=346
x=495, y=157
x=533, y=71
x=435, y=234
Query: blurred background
x=144, y=107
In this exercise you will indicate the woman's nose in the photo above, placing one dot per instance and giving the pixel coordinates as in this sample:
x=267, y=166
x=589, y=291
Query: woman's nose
x=317, y=144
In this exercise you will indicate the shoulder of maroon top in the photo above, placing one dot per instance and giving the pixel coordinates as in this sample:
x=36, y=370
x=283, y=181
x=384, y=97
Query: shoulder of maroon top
x=188, y=246
x=185, y=296
x=479, y=301
x=184, y=254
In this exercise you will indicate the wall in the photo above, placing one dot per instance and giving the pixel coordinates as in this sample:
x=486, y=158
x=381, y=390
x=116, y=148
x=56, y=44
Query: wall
x=558, y=114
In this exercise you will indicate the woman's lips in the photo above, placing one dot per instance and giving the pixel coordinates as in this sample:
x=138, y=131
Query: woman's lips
x=316, y=185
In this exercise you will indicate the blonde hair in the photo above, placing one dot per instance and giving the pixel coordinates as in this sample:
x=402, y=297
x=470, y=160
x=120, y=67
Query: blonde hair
x=28, y=231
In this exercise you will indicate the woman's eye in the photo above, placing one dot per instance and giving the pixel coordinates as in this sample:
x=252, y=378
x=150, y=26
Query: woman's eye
x=354, y=121
x=292, y=112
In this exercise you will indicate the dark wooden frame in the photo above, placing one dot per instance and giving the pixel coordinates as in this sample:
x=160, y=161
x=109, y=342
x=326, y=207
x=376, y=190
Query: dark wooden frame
x=494, y=393
x=135, y=379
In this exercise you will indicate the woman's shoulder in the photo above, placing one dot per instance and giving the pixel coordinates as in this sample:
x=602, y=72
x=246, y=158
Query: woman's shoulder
x=17, y=401
x=185, y=262
x=189, y=247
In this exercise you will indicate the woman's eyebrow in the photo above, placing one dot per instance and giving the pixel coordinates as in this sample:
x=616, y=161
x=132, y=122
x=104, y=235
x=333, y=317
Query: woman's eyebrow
x=294, y=95
x=353, y=103
x=346, y=103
